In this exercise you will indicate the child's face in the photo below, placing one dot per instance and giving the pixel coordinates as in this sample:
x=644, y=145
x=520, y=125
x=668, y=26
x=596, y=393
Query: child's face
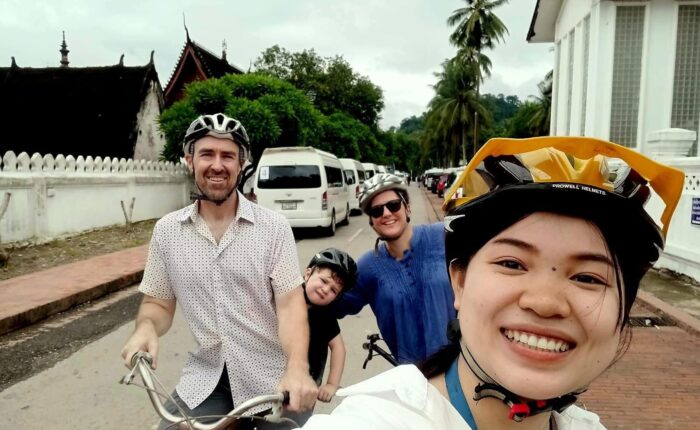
x=539, y=306
x=322, y=285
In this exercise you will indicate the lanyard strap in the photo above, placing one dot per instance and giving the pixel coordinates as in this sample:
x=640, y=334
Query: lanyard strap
x=454, y=390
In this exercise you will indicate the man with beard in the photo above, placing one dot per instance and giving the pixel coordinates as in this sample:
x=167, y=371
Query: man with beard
x=232, y=266
x=404, y=279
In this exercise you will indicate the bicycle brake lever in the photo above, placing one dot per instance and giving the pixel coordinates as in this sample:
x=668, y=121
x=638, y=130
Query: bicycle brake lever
x=129, y=377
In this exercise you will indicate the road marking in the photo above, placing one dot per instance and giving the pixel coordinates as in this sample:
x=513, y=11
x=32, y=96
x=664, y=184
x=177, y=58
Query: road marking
x=357, y=233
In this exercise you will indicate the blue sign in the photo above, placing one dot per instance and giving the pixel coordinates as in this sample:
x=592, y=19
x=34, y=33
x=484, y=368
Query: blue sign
x=695, y=211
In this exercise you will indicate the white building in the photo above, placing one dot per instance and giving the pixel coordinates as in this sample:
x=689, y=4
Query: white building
x=629, y=72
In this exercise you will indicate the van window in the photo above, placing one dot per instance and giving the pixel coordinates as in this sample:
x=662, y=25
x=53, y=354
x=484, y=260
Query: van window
x=334, y=176
x=369, y=173
x=361, y=174
x=285, y=177
x=351, y=176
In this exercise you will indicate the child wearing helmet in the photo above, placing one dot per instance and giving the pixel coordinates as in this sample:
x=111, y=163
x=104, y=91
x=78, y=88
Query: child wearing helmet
x=330, y=273
x=545, y=253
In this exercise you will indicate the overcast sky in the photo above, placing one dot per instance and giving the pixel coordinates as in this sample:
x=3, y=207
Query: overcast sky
x=398, y=44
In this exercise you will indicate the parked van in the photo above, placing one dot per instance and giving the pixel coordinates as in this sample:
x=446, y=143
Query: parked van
x=355, y=177
x=381, y=169
x=370, y=170
x=304, y=184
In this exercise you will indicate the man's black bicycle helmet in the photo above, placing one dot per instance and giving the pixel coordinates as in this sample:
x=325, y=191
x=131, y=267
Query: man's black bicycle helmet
x=339, y=262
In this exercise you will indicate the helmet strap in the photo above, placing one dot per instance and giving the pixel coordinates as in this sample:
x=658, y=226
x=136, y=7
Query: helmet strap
x=488, y=387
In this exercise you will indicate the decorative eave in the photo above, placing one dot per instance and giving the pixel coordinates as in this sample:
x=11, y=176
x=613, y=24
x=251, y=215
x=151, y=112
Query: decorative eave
x=544, y=20
x=187, y=51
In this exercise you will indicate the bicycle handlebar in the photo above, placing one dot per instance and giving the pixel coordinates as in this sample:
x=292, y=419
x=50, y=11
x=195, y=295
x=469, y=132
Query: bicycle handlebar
x=141, y=362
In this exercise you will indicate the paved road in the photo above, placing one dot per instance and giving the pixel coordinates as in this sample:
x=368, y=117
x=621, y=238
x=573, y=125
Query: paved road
x=80, y=389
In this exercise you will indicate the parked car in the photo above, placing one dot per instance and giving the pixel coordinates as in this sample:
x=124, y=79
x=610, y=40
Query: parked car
x=370, y=170
x=355, y=177
x=304, y=184
x=442, y=183
x=381, y=169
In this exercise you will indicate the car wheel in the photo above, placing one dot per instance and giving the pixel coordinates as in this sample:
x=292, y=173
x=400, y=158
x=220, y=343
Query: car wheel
x=346, y=220
x=330, y=230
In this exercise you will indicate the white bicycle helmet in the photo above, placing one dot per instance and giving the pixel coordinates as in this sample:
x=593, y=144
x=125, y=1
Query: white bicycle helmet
x=378, y=184
x=218, y=125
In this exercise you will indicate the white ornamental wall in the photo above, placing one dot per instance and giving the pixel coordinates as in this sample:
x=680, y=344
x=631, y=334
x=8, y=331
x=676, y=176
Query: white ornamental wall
x=682, y=251
x=54, y=196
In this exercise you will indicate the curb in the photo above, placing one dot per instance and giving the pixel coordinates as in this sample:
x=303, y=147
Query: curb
x=30, y=298
x=682, y=319
x=33, y=315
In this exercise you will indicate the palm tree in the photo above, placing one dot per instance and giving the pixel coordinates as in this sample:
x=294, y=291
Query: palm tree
x=477, y=28
x=541, y=119
x=451, y=109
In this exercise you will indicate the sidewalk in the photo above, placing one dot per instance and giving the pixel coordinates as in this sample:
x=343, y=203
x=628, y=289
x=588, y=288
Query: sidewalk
x=656, y=384
x=29, y=298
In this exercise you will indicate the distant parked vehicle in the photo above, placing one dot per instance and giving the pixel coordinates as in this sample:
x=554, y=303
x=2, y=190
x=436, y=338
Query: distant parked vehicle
x=370, y=170
x=304, y=184
x=355, y=177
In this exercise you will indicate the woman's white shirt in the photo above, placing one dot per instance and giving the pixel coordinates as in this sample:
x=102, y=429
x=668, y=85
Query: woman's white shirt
x=402, y=399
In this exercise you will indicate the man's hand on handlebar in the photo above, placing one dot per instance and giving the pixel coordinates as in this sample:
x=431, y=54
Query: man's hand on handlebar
x=144, y=339
x=302, y=389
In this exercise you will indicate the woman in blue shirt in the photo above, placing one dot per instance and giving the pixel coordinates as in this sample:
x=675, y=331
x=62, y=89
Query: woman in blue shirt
x=404, y=279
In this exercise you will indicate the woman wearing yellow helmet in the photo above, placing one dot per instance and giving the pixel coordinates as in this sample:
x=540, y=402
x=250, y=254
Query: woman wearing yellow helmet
x=545, y=253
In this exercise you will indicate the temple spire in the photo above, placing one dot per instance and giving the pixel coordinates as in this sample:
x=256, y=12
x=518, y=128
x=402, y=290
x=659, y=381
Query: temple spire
x=184, y=23
x=64, y=52
x=223, y=50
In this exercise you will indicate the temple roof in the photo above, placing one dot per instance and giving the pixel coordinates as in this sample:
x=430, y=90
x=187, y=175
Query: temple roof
x=73, y=110
x=196, y=63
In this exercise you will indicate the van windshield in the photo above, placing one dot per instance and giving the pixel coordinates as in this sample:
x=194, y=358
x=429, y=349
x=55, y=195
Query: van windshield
x=285, y=177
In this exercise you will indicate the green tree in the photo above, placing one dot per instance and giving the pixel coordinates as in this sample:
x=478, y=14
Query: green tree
x=273, y=112
x=452, y=107
x=542, y=115
x=520, y=124
x=477, y=28
x=347, y=137
x=330, y=82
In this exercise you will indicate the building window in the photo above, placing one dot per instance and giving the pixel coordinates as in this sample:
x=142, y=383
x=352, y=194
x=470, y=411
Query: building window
x=570, y=79
x=627, y=72
x=584, y=75
x=685, y=112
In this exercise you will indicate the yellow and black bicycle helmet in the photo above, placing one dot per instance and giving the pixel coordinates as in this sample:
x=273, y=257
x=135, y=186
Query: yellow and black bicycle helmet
x=589, y=178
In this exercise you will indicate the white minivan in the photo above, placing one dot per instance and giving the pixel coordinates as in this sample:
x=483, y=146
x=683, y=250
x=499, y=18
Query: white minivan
x=355, y=177
x=304, y=184
x=370, y=170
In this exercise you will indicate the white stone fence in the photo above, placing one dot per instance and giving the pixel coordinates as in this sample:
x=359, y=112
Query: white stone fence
x=44, y=197
x=682, y=251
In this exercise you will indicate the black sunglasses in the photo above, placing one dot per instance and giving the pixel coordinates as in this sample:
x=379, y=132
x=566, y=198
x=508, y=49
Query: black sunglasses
x=392, y=205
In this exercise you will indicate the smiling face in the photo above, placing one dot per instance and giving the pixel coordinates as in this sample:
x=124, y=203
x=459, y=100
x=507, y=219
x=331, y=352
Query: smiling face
x=217, y=164
x=538, y=306
x=322, y=285
x=390, y=225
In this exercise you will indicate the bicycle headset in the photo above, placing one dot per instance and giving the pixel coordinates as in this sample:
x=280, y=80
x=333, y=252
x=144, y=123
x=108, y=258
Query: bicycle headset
x=605, y=183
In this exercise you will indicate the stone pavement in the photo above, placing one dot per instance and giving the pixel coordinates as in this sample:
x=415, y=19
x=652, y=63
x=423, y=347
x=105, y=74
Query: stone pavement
x=656, y=384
